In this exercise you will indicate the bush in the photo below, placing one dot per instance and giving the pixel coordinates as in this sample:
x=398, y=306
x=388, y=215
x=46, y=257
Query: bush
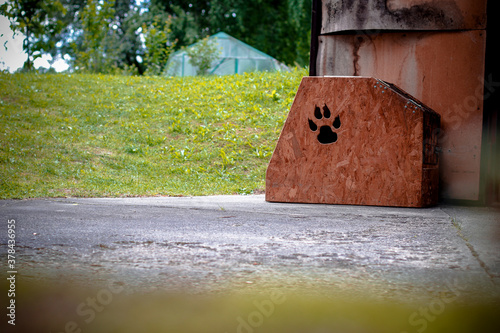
x=203, y=54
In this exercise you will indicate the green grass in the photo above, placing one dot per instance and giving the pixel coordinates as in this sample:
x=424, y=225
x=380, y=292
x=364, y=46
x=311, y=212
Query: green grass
x=97, y=135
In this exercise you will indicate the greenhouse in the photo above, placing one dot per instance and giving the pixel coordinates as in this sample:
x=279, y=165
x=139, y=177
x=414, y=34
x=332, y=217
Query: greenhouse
x=235, y=57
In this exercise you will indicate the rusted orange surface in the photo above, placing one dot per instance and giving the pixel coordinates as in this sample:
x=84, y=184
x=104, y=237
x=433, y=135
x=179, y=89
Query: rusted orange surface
x=349, y=15
x=445, y=70
x=355, y=140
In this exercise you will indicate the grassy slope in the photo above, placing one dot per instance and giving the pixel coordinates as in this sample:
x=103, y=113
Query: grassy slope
x=95, y=135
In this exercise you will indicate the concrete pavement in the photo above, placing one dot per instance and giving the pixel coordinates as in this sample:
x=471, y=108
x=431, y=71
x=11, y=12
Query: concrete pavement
x=220, y=243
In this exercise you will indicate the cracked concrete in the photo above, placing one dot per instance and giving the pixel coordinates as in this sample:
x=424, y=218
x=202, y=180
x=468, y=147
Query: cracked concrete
x=479, y=227
x=220, y=243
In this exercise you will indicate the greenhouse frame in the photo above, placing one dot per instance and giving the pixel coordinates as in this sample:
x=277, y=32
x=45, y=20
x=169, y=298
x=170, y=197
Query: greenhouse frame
x=236, y=57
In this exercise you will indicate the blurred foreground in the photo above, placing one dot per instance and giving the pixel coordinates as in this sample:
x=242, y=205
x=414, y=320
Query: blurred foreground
x=114, y=308
x=240, y=264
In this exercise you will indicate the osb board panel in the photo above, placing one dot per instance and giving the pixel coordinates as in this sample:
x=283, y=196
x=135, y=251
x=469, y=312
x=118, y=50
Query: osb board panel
x=350, y=140
x=345, y=15
x=444, y=70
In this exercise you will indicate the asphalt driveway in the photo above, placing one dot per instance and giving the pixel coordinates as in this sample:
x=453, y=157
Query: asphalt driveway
x=212, y=244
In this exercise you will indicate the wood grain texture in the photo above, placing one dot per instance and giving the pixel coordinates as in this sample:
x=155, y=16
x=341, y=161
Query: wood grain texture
x=374, y=157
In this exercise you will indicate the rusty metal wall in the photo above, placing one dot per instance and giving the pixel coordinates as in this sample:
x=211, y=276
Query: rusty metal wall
x=434, y=50
x=344, y=15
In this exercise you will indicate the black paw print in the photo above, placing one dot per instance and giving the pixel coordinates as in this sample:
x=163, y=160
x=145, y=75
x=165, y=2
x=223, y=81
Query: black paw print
x=326, y=135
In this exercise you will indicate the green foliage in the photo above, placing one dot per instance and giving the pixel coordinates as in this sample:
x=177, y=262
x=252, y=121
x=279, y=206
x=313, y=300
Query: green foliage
x=185, y=26
x=299, y=17
x=95, y=54
x=203, y=54
x=105, y=36
x=158, y=46
x=120, y=37
x=103, y=135
x=126, y=26
x=280, y=28
x=38, y=20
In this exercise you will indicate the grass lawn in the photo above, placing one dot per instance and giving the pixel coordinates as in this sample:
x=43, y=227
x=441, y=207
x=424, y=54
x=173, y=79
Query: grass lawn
x=112, y=136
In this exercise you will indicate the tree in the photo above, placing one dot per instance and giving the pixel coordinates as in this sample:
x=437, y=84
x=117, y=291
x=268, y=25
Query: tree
x=280, y=28
x=119, y=36
x=299, y=14
x=185, y=29
x=39, y=21
x=202, y=55
x=127, y=23
x=195, y=19
x=95, y=53
x=126, y=35
x=158, y=45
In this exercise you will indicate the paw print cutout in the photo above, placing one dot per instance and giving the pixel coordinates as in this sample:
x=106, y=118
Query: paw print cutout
x=326, y=134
